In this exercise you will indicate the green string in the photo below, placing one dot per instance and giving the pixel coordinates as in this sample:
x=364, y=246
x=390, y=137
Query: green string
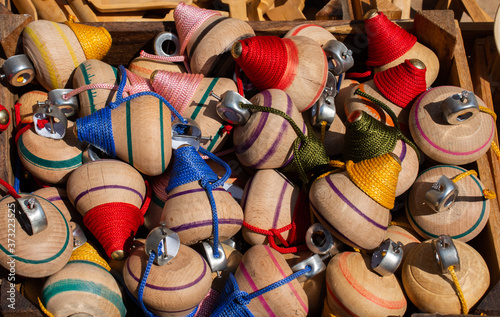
x=368, y=138
x=308, y=151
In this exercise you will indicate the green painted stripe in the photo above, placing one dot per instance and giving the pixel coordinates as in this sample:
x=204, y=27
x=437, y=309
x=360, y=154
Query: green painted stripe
x=76, y=285
x=71, y=163
x=215, y=138
x=162, y=138
x=129, y=134
x=115, y=71
x=458, y=236
x=204, y=98
x=157, y=201
x=55, y=256
x=87, y=262
x=83, y=68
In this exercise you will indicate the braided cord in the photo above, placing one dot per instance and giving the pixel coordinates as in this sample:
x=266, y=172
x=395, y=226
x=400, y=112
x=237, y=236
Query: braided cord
x=188, y=167
x=460, y=294
x=492, y=113
x=487, y=193
x=308, y=151
x=43, y=309
x=391, y=113
x=87, y=252
x=97, y=129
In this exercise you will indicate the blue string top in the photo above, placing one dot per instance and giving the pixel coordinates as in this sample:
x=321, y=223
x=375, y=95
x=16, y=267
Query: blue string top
x=144, y=279
x=233, y=302
x=97, y=129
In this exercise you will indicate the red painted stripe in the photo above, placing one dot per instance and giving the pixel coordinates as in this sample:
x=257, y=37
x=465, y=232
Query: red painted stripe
x=300, y=28
x=254, y=287
x=337, y=301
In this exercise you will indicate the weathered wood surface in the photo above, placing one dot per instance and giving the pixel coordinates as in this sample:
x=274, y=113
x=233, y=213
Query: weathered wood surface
x=19, y=306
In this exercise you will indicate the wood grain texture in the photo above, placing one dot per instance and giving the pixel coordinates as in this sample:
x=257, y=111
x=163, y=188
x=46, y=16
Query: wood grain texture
x=464, y=219
x=432, y=291
x=22, y=307
x=390, y=10
x=29, y=104
x=265, y=140
x=354, y=289
x=347, y=212
x=83, y=287
x=59, y=198
x=312, y=31
x=262, y=266
x=186, y=278
x=49, y=160
x=446, y=143
x=270, y=201
x=10, y=32
x=7, y=145
x=41, y=254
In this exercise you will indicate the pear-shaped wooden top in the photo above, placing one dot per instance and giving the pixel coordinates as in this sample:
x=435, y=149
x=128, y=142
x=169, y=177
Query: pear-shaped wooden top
x=105, y=181
x=262, y=266
x=265, y=140
x=209, y=48
x=347, y=212
x=270, y=202
x=353, y=289
x=54, y=50
x=195, y=223
x=432, y=291
x=93, y=72
x=83, y=287
x=187, y=278
x=312, y=31
x=464, y=219
x=28, y=104
x=41, y=254
x=50, y=160
x=456, y=144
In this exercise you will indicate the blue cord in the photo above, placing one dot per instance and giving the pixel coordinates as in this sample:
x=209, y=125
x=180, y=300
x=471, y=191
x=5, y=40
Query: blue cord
x=339, y=82
x=233, y=301
x=97, y=130
x=17, y=174
x=142, y=285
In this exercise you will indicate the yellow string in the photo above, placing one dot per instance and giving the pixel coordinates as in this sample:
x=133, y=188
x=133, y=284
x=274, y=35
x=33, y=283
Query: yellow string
x=44, y=310
x=488, y=111
x=495, y=149
x=377, y=177
x=488, y=194
x=333, y=163
x=465, y=310
x=95, y=41
x=88, y=253
x=323, y=131
x=401, y=224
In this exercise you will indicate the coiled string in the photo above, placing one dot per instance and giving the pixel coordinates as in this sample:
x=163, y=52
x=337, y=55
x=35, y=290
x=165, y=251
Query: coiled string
x=142, y=285
x=368, y=137
x=189, y=166
x=308, y=151
x=233, y=302
x=487, y=193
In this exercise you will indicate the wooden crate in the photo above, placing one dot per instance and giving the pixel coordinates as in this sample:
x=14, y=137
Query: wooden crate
x=436, y=29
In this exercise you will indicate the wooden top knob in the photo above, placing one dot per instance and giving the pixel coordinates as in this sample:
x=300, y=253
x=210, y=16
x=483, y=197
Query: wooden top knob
x=417, y=63
x=236, y=49
x=370, y=14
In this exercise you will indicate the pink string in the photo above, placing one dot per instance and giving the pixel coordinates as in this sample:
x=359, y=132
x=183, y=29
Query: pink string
x=138, y=84
x=188, y=20
x=177, y=88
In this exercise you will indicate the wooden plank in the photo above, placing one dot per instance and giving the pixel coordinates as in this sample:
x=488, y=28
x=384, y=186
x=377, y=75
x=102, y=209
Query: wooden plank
x=475, y=12
x=11, y=27
x=459, y=73
x=331, y=11
x=388, y=8
x=18, y=306
x=490, y=305
x=488, y=165
x=437, y=29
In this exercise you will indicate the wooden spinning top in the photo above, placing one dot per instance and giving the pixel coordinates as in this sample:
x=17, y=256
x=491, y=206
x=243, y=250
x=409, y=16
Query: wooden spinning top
x=34, y=250
x=296, y=65
x=396, y=87
x=50, y=160
x=186, y=278
x=137, y=131
x=196, y=223
x=272, y=202
x=431, y=290
x=353, y=289
x=109, y=195
x=84, y=287
x=354, y=204
x=464, y=141
x=57, y=49
x=94, y=72
x=196, y=97
x=312, y=31
x=462, y=212
x=390, y=45
x=262, y=266
x=265, y=140
x=206, y=38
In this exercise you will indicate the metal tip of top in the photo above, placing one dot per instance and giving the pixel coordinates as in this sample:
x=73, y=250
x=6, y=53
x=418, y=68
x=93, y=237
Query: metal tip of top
x=355, y=116
x=4, y=117
x=370, y=14
x=417, y=63
x=236, y=49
